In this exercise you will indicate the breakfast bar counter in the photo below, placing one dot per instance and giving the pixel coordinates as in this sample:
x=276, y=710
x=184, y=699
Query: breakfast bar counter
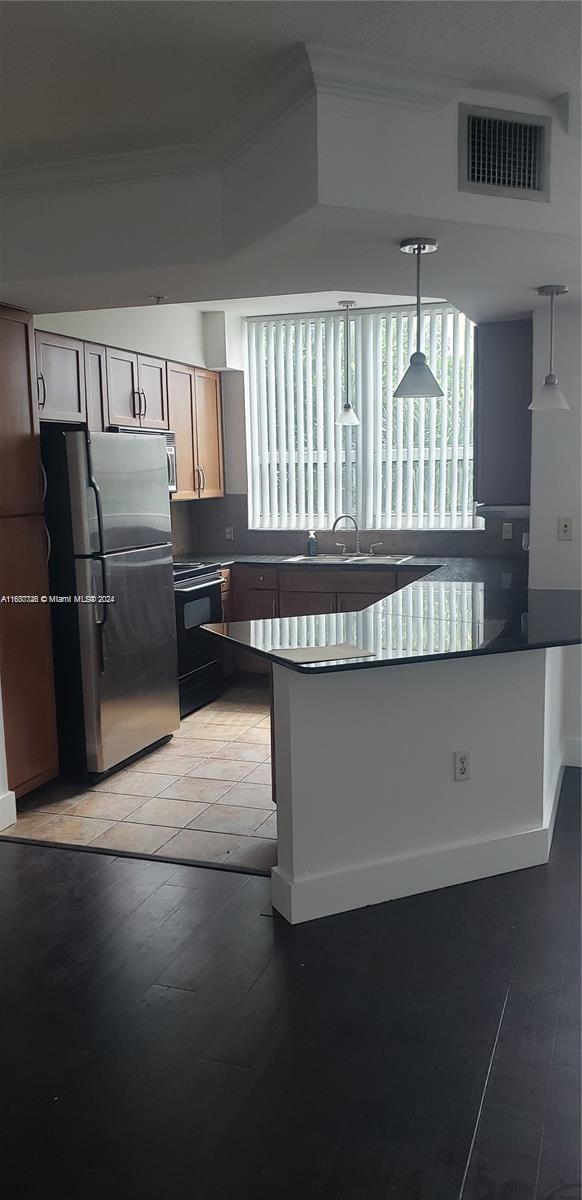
x=416, y=745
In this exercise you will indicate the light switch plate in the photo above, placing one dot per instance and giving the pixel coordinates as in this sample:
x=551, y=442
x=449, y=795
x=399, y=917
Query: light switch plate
x=565, y=529
x=506, y=531
x=229, y=533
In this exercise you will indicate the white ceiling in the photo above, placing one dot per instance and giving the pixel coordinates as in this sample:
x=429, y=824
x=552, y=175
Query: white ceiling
x=94, y=78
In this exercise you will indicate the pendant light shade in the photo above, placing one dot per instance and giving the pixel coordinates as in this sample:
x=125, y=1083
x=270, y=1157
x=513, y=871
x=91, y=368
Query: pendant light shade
x=550, y=397
x=418, y=380
x=347, y=415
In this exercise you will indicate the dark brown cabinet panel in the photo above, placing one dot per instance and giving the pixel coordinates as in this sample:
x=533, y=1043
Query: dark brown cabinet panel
x=20, y=470
x=124, y=401
x=26, y=667
x=153, y=391
x=182, y=416
x=96, y=386
x=406, y=577
x=60, y=367
x=209, y=434
x=255, y=604
x=302, y=604
x=356, y=601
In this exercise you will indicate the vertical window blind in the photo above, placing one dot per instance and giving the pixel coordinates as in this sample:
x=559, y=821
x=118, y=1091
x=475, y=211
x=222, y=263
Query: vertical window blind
x=408, y=465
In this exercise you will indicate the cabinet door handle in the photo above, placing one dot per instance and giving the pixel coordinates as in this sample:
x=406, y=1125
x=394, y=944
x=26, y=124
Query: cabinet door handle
x=145, y=405
x=42, y=395
x=44, y=482
x=274, y=608
x=134, y=408
x=203, y=479
x=49, y=545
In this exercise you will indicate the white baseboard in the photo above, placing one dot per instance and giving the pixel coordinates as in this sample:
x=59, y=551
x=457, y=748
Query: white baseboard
x=372, y=883
x=7, y=809
x=573, y=752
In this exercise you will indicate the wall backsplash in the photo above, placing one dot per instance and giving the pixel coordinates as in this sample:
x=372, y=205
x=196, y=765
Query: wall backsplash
x=198, y=528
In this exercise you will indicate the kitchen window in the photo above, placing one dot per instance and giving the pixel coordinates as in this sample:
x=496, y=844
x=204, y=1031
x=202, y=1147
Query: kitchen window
x=408, y=465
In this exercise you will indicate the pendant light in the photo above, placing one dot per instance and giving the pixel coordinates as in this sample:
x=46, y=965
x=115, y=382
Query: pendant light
x=550, y=397
x=418, y=380
x=347, y=415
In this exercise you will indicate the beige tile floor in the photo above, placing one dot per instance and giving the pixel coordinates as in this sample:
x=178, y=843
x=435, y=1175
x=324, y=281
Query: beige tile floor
x=205, y=797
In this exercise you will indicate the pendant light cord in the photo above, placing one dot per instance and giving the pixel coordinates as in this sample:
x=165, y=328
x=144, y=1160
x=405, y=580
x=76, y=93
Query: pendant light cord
x=418, y=255
x=552, y=302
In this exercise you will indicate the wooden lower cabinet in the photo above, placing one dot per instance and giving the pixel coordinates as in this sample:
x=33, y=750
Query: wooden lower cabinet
x=304, y=604
x=26, y=662
x=357, y=601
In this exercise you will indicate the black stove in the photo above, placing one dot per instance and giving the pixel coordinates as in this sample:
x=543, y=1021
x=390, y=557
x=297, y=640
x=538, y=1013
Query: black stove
x=198, y=602
x=184, y=569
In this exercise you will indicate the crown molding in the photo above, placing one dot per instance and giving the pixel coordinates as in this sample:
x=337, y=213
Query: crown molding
x=275, y=99
x=100, y=171
x=271, y=103
x=364, y=77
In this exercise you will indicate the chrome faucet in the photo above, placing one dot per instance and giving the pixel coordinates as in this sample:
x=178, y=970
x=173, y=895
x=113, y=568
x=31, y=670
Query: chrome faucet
x=348, y=517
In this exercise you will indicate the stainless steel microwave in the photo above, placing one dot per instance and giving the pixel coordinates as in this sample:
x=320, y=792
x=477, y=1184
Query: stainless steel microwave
x=170, y=437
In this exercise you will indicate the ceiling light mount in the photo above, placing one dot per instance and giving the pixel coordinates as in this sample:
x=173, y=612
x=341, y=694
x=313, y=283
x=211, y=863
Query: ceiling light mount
x=347, y=415
x=418, y=380
x=419, y=246
x=550, y=398
x=157, y=299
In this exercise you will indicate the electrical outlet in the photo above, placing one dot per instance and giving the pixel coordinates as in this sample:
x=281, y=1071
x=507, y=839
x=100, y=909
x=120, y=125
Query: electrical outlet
x=506, y=531
x=565, y=529
x=462, y=764
x=229, y=533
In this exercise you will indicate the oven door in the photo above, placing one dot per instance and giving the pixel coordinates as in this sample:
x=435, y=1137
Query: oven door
x=197, y=603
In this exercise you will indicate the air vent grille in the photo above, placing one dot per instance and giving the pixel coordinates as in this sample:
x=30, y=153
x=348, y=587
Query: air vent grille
x=504, y=153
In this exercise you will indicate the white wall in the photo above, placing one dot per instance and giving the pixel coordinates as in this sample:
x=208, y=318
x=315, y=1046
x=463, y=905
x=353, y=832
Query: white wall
x=172, y=331
x=235, y=457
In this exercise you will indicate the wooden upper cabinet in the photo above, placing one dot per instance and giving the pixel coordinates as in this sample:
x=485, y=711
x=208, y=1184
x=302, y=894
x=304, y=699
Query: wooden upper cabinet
x=26, y=666
x=124, y=401
x=153, y=390
x=96, y=386
x=21, y=489
x=209, y=434
x=182, y=416
x=60, y=368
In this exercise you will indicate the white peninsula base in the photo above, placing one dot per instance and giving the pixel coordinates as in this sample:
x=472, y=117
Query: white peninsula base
x=368, y=809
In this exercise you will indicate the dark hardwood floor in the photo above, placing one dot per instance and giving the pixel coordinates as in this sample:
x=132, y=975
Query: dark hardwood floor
x=163, y=1035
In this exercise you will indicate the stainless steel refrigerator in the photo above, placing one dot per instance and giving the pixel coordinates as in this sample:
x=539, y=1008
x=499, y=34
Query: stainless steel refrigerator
x=114, y=633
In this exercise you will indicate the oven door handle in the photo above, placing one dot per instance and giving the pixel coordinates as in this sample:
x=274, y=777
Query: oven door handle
x=198, y=587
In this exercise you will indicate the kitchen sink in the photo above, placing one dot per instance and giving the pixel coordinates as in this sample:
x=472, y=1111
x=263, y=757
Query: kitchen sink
x=341, y=559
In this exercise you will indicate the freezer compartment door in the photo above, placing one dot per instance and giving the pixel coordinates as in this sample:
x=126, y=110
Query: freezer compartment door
x=128, y=653
x=119, y=491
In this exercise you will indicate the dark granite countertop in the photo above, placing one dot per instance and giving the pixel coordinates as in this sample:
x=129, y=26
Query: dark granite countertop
x=500, y=572
x=464, y=607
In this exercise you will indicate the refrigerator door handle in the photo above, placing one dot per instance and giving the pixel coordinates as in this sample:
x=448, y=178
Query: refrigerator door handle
x=95, y=488
x=99, y=589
